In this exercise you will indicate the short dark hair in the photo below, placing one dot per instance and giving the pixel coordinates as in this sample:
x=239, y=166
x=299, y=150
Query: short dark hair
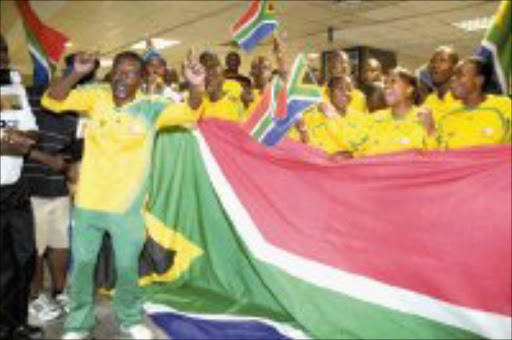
x=235, y=53
x=482, y=68
x=409, y=78
x=128, y=55
x=91, y=76
x=209, y=60
x=454, y=56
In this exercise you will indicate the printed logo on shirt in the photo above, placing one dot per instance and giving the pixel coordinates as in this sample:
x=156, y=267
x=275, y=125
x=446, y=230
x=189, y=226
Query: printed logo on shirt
x=488, y=131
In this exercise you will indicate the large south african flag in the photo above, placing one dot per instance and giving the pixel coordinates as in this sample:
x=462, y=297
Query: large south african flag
x=272, y=243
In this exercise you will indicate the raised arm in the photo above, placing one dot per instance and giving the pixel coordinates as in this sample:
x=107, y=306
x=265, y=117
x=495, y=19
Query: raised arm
x=194, y=74
x=83, y=65
x=279, y=50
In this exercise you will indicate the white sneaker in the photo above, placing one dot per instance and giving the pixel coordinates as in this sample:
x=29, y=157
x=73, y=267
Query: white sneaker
x=44, y=309
x=76, y=335
x=62, y=301
x=138, y=332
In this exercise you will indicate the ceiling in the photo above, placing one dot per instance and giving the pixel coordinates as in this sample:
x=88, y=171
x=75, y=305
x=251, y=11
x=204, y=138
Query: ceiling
x=412, y=29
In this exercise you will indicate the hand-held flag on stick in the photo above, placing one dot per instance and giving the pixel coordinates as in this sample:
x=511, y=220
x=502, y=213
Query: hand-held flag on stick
x=45, y=44
x=255, y=24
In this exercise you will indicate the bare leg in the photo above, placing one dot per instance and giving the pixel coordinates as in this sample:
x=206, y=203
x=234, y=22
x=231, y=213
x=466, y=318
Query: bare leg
x=59, y=270
x=37, y=281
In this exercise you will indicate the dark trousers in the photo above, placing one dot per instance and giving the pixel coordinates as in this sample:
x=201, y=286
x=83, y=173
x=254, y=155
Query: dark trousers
x=17, y=259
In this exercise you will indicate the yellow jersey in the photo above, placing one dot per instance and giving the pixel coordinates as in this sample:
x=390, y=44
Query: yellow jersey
x=334, y=134
x=118, y=144
x=357, y=102
x=232, y=87
x=388, y=135
x=488, y=123
x=229, y=108
x=441, y=107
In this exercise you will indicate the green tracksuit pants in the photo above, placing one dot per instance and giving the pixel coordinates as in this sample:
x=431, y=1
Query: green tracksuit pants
x=128, y=237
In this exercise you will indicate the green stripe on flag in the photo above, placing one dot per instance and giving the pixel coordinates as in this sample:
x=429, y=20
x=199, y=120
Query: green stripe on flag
x=263, y=127
x=297, y=88
x=262, y=17
x=499, y=35
x=230, y=278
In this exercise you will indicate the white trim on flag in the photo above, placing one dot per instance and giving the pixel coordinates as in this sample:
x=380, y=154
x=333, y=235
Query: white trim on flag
x=487, y=324
x=37, y=54
x=249, y=36
x=254, y=18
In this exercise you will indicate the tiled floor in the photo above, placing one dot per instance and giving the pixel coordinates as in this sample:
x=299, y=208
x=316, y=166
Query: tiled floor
x=107, y=326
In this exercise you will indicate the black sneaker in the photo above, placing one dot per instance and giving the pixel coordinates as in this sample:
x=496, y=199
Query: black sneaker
x=27, y=332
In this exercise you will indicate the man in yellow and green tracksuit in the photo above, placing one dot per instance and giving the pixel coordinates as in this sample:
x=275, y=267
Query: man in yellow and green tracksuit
x=114, y=176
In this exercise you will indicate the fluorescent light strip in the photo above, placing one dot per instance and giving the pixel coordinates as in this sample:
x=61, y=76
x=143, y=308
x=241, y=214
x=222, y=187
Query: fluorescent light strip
x=477, y=24
x=158, y=43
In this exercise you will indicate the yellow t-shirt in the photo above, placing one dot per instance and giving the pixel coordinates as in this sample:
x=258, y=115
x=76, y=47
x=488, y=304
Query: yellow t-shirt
x=388, y=135
x=118, y=144
x=229, y=107
x=232, y=87
x=357, y=101
x=335, y=134
x=441, y=107
x=488, y=123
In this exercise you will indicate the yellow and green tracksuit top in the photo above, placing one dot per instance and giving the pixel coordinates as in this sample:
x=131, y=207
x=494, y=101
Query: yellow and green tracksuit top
x=118, y=145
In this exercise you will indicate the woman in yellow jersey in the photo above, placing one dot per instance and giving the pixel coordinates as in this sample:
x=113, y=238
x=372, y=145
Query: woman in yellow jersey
x=479, y=119
x=338, y=65
x=218, y=102
x=403, y=126
x=333, y=127
x=441, y=68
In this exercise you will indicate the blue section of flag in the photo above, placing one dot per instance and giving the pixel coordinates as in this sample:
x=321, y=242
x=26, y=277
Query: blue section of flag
x=41, y=75
x=294, y=109
x=178, y=326
x=493, y=85
x=260, y=33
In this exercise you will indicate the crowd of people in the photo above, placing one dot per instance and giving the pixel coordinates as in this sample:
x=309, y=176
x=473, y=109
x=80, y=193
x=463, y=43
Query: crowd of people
x=387, y=111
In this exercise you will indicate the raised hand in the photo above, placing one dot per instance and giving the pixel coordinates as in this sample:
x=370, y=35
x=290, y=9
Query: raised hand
x=193, y=70
x=278, y=44
x=278, y=48
x=84, y=63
